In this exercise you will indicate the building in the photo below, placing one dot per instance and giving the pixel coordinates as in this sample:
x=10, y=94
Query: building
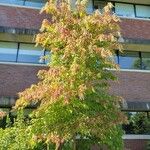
x=19, y=59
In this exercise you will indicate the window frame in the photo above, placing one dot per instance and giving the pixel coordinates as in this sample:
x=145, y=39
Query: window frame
x=23, y=4
x=17, y=53
x=140, y=57
x=134, y=7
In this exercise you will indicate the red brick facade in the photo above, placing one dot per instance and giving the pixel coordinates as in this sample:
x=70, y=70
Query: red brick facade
x=27, y=18
x=135, y=144
x=19, y=17
x=135, y=28
x=132, y=86
x=15, y=78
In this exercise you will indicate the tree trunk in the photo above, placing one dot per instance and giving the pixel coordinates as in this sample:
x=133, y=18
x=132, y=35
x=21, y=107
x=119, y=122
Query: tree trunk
x=60, y=146
x=74, y=143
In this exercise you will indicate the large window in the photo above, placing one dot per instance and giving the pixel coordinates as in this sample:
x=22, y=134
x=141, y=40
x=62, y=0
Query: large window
x=139, y=123
x=133, y=60
x=143, y=11
x=129, y=60
x=30, y=53
x=34, y=3
x=23, y=53
x=132, y=10
x=126, y=10
x=8, y=51
x=30, y=3
x=145, y=61
x=99, y=5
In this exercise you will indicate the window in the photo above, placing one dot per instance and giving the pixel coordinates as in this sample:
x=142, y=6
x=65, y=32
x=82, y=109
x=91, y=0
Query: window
x=145, y=60
x=31, y=3
x=22, y=52
x=30, y=53
x=90, y=6
x=129, y=60
x=139, y=123
x=99, y=5
x=34, y=3
x=17, y=2
x=8, y=51
x=143, y=11
x=126, y=10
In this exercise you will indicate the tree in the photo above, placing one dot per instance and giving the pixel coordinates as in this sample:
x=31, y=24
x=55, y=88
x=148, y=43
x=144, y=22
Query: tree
x=72, y=94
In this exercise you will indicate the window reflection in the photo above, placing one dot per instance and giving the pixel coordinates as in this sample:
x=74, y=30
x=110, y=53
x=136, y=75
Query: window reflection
x=34, y=3
x=139, y=123
x=129, y=60
x=143, y=11
x=99, y=5
x=126, y=10
x=30, y=53
x=145, y=61
x=31, y=3
x=8, y=51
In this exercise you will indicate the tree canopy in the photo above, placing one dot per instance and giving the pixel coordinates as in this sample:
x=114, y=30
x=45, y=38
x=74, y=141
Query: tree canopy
x=72, y=98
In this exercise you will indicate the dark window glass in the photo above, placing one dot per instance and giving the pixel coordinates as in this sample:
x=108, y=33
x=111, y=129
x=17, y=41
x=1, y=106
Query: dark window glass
x=145, y=61
x=99, y=5
x=138, y=123
x=30, y=54
x=129, y=60
x=8, y=51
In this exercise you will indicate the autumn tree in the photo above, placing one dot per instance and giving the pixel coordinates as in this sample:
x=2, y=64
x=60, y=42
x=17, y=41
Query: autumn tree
x=72, y=98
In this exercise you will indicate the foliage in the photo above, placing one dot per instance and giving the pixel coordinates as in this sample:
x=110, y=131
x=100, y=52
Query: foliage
x=14, y=137
x=139, y=123
x=72, y=94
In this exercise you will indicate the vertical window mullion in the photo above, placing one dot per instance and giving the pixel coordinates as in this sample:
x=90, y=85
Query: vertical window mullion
x=24, y=2
x=93, y=5
x=18, y=47
x=44, y=56
x=135, y=10
x=117, y=56
x=140, y=55
x=113, y=7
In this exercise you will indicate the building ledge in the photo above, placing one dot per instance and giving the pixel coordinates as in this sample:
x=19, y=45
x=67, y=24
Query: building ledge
x=135, y=18
x=20, y=6
x=23, y=64
x=130, y=70
x=136, y=106
x=134, y=41
x=136, y=137
x=18, y=30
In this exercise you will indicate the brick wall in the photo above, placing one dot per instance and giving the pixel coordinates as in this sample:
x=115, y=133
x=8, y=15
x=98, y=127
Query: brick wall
x=15, y=78
x=135, y=144
x=129, y=145
x=27, y=18
x=18, y=17
x=135, y=28
x=132, y=86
